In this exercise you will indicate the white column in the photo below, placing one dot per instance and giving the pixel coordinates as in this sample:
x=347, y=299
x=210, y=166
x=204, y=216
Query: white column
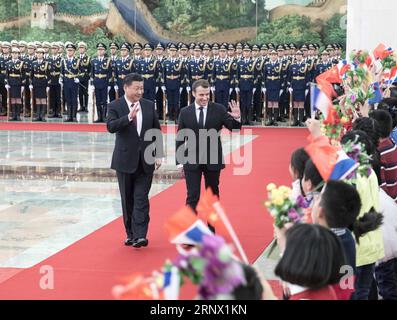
x=370, y=22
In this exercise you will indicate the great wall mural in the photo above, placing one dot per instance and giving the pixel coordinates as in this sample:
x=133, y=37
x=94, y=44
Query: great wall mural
x=169, y=20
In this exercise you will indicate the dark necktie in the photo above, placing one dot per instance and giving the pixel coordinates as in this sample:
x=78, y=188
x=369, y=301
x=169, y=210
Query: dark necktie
x=201, y=118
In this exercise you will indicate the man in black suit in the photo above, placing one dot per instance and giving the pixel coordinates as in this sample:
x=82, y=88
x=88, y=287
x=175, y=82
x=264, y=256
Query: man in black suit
x=203, y=121
x=138, y=152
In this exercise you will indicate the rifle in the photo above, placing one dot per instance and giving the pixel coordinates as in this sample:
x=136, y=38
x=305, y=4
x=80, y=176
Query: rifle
x=291, y=105
x=117, y=95
x=8, y=103
x=48, y=100
x=93, y=105
x=62, y=111
x=24, y=101
x=264, y=109
x=189, y=98
x=165, y=107
x=31, y=105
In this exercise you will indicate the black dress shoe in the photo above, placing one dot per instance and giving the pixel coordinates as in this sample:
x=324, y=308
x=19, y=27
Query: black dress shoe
x=128, y=242
x=141, y=242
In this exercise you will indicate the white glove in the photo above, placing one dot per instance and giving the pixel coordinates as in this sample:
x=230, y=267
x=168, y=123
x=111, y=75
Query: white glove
x=180, y=90
x=230, y=91
x=253, y=91
x=213, y=89
x=290, y=90
x=157, y=89
x=76, y=80
x=48, y=89
x=31, y=87
x=60, y=81
x=109, y=88
x=116, y=88
x=281, y=92
x=237, y=90
x=163, y=88
x=8, y=87
x=306, y=92
x=188, y=89
x=91, y=88
x=264, y=90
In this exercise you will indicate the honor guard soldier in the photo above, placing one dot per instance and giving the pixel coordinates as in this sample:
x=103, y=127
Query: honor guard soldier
x=196, y=68
x=85, y=73
x=55, y=86
x=239, y=51
x=272, y=84
x=324, y=65
x=113, y=47
x=124, y=66
x=223, y=76
x=264, y=53
x=173, y=74
x=246, y=82
x=183, y=52
x=160, y=94
x=215, y=51
x=22, y=48
x=137, y=52
x=150, y=70
x=298, y=84
x=258, y=63
x=331, y=52
x=46, y=46
x=101, y=68
x=14, y=44
x=4, y=58
x=39, y=83
x=70, y=77
x=15, y=81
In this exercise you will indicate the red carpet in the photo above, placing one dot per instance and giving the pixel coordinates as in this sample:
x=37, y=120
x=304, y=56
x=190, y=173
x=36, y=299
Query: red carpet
x=90, y=267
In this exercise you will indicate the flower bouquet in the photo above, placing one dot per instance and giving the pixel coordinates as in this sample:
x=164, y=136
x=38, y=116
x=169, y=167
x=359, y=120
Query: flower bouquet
x=280, y=206
x=356, y=151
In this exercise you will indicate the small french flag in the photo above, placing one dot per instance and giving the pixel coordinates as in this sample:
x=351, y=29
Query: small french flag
x=185, y=228
x=320, y=101
x=344, y=167
x=171, y=285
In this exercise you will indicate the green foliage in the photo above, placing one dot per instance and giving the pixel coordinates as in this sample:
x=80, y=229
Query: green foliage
x=189, y=17
x=62, y=32
x=334, y=30
x=295, y=29
x=14, y=8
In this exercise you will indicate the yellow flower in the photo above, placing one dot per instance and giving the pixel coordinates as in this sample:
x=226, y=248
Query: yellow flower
x=278, y=201
x=344, y=120
x=271, y=187
x=285, y=190
x=276, y=194
x=268, y=204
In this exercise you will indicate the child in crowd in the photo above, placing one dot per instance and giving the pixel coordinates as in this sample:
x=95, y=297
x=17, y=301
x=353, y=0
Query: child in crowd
x=311, y=262
x=297, y=169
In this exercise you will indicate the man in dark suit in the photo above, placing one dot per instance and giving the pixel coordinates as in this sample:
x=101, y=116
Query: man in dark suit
x=138, y=152
x=203, y=121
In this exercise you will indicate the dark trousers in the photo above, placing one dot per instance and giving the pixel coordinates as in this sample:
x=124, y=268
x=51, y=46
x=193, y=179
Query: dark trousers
x=83, y=95
x=71, y=92
x=193, y=184
x=159, y=104
x=101, y=96
x=134, y=191
x=258, y=103
x=386, y=277
x=112, y=93
x=364, y=282
x=55, y=99
x=150, y=94
x=183, y=99
x=222, y=97
x=173, y=104
x=3, y=97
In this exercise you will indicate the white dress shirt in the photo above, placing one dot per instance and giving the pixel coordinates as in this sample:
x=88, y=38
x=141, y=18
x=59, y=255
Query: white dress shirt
x=198, y=112
x=139, y=117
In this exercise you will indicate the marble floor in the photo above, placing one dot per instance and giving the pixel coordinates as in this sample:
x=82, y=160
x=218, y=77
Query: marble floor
x=49, y=187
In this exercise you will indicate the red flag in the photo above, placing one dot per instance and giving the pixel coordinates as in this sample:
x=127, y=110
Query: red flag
x=180, y=222
x=344, y=69
x=368, y=61
x=332, y=75
x=323, y=155
x=207, y=212
x=379, y=51
x=326, y=87
x=393, y=72
x=137, y=288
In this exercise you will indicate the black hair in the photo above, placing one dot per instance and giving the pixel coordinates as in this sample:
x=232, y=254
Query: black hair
x=342, y=205
x=370, y=127
x=312, y=174
x=390, y=105
x=132, y=77
x=253, y=289
x=313, y=257
x=200, y=83
x=385, y=122
x=298, y=161
x=393, y=91
x=370, y=148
